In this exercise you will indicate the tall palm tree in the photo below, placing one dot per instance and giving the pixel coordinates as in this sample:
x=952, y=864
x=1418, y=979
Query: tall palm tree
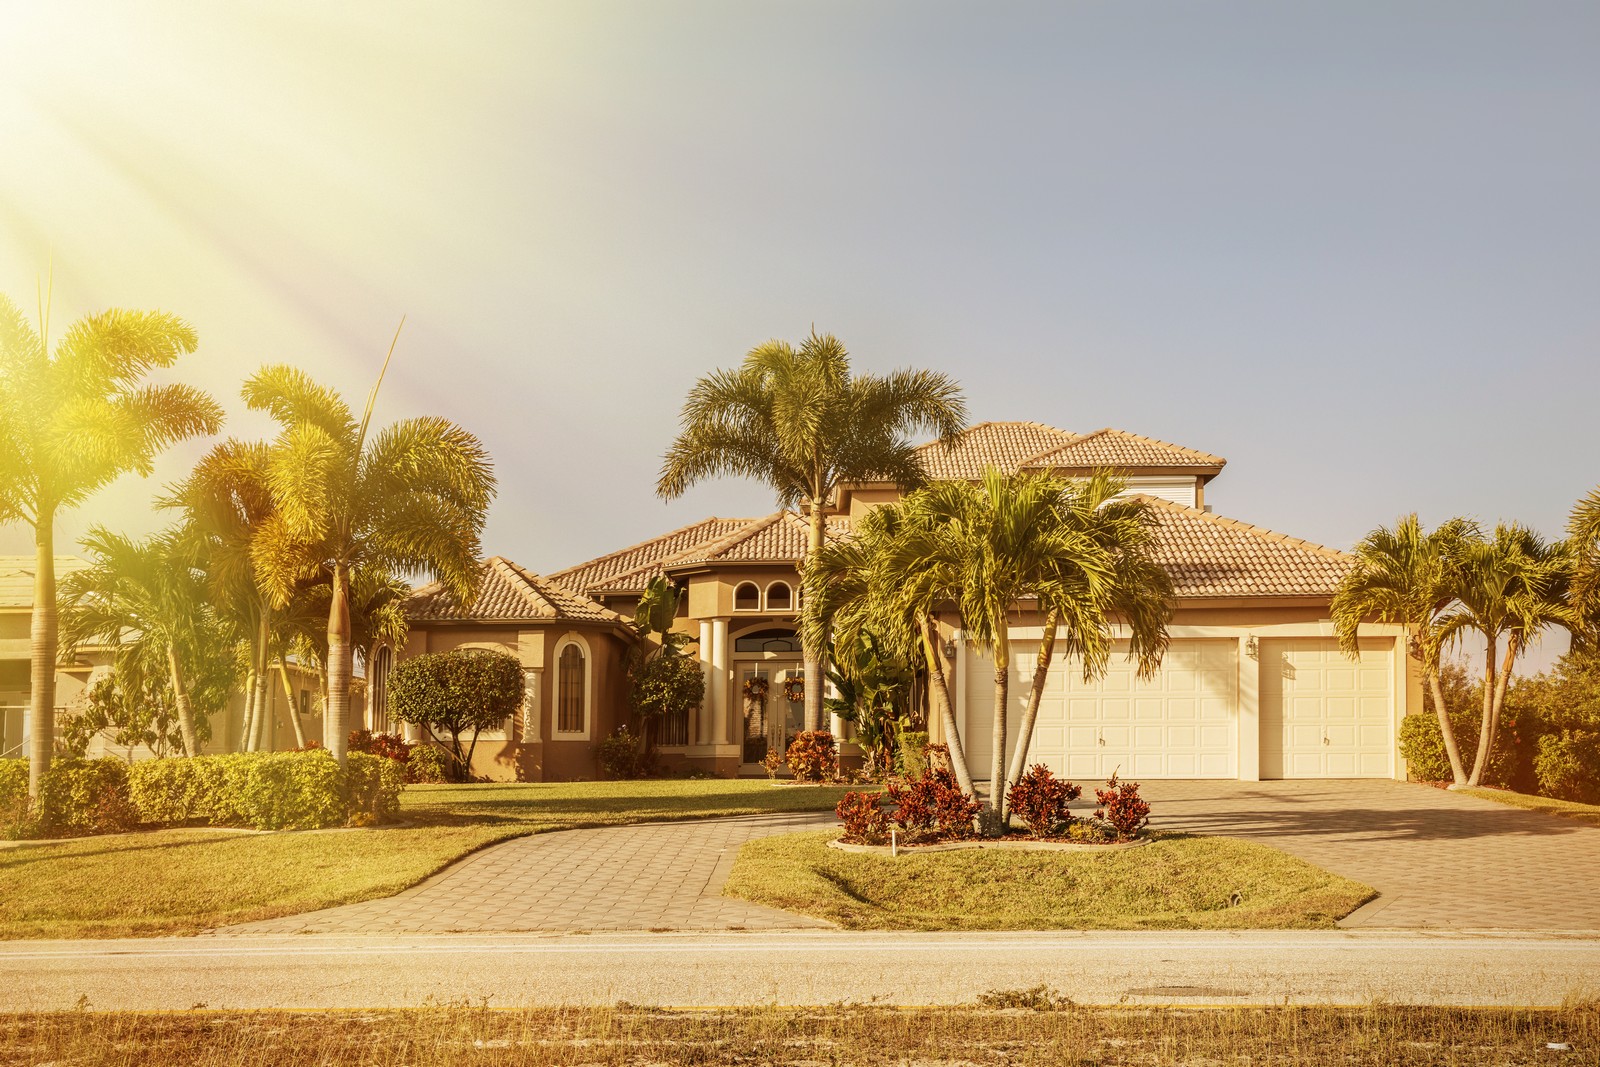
x=71, y=420
x=798, y=420
x=411, y=497
x=1583, y=535
x=1407, y=577
x=1509, y=586
x=143, y=598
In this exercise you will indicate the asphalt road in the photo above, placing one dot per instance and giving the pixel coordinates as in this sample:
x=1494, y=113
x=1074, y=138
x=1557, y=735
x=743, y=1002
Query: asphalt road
x=800, y=968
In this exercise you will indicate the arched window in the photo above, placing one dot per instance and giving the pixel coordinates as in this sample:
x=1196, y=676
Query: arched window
x=779, y=596
x=747, y=597
x=572, y=689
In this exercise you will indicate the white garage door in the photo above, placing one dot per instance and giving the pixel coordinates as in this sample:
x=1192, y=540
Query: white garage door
x=1324, y=714
x=1180, y=724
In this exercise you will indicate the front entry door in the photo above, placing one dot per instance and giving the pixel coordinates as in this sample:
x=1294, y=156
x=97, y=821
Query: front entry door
x=771, y=719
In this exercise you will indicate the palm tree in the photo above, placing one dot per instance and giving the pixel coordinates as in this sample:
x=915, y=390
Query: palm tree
x=1583, y=535
x=71, y=421
x=1511, y=586
x=879, y=581
x=798, y=420
x=1068, y=547
x=1407, y=577
x=412, y=497
x=144, y=598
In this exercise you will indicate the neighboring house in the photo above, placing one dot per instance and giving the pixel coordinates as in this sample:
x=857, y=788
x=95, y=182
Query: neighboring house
x=1253, y=686
x=77, y=675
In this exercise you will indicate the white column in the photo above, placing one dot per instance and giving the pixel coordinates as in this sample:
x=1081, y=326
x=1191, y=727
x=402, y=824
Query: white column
x=703, y=724
x=720, y=718
x=1249, y=711
x=530, y=705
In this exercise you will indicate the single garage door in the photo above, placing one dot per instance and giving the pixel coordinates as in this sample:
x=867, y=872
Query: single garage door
x=1324, y=714
x=1180, y=724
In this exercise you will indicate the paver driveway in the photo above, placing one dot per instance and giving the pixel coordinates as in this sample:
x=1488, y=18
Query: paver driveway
x=1436, y=858
x=655, y=876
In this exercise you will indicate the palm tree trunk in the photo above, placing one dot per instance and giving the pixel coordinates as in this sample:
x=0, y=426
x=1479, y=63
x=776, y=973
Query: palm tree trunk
x=1458, y=773
x=180, y=697
x=1512, y=648
x=42, y=651
x=1002, y=694
x=1486, y=727
x=294, y=711
x=1041, y=671
x=939, y=692
x=336, y=724
x=814, y=656
x=261, y=723
x=248, y=724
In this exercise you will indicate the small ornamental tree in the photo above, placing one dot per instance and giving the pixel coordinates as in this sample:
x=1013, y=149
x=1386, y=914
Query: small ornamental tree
x=663, y=687
x=462, y=692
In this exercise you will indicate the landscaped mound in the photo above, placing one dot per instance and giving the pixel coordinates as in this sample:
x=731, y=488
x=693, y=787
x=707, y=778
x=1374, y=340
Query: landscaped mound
x=1174, y=882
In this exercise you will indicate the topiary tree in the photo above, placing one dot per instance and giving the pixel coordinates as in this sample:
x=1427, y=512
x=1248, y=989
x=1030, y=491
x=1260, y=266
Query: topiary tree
x=466, y=691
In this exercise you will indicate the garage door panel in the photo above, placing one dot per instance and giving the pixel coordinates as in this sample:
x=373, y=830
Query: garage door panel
x=1150, y=729
x=1323, y=714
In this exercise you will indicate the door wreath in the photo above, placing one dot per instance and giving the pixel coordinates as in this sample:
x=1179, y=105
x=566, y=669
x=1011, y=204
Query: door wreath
x=794, y=690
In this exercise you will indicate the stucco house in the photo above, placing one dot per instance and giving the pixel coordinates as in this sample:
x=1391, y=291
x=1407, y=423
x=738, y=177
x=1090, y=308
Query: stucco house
x=1253, y=686
x=80, y=670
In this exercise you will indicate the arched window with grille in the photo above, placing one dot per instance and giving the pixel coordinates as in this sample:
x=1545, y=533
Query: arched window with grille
x=572, y=695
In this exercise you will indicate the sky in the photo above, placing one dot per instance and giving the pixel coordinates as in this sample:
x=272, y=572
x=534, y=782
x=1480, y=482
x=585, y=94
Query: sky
x=1353, y=247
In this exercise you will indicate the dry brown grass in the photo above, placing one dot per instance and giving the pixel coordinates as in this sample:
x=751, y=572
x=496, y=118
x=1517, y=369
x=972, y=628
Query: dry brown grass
x=1376, y=1036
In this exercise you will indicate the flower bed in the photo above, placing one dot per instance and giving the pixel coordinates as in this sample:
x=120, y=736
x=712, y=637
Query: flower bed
x=932, y=810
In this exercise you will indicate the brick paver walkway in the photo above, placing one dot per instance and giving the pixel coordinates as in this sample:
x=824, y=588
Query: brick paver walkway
x=655, y=876
x=1437, y=859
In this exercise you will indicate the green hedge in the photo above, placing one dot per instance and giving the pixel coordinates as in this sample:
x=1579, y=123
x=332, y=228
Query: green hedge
x=1568, y=766
x=261, y=790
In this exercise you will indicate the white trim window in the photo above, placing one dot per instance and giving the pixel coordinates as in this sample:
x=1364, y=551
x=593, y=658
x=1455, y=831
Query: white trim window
x=574, y=689
x=780, y=596
x=747, y=597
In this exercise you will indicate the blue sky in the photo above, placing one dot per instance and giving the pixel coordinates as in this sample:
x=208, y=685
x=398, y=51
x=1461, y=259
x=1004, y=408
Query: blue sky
x=1352, y=247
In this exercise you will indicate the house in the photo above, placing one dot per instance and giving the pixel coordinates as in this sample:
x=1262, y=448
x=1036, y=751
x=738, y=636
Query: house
x=79, y=671
x=1253, y=685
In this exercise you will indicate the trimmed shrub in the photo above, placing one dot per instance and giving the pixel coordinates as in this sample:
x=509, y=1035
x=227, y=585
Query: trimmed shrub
x=428, y=764
x=621, y=756
x=1122, y=808
x=1040, y=800
x=85, y=796
x=389, y=746
x=1422, y=745
x=911, y=755
x=372, y=788
x=812, y=756
x=1567, y=766
x=14, y=806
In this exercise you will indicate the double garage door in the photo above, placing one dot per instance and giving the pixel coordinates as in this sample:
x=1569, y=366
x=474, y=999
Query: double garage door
x=1322, y=714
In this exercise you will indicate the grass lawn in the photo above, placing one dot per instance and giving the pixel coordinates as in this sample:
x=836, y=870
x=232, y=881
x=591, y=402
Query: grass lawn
x=183, y=881
x=1567, y=809
x=1375, y=1036
x=1176, y=882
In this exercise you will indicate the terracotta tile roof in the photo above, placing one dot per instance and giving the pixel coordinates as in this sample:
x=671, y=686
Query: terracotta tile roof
x=508, y=593
x=781, y=537
x=16, y=578
x=629, y=570
x=1118, y=449
x=990, y=444
x=1210, y=556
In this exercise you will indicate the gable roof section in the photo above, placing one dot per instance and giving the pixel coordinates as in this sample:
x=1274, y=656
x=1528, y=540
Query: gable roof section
x=781, y=537
x=507, y=593
x=990, y=444
x=16, y=578
x=1210, y=556
x=1118, y=449
x=629, y=570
